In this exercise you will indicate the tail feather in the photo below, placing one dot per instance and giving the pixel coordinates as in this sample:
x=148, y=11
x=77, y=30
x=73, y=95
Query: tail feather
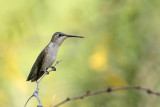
x=34, y=77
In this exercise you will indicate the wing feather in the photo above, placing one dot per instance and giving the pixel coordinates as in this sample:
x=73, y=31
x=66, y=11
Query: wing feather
x=36, y=72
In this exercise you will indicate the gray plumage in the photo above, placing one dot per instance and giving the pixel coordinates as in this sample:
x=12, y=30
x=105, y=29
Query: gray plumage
x=44, y=61
x=48, y=56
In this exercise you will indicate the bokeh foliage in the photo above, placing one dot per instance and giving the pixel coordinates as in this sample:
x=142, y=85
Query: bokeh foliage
x=121, y=48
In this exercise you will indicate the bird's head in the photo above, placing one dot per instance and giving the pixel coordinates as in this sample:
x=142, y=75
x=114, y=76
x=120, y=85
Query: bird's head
x=59, y=37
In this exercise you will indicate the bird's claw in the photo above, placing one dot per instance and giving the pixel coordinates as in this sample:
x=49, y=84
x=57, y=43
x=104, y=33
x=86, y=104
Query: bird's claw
x=53, y=68
x=47, y=72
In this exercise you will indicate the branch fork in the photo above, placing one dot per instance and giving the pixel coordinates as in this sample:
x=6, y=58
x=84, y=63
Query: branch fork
x=35, y=94
x=88, y=93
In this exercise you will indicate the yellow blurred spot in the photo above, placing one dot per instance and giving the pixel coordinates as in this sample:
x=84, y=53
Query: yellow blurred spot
x=3, y=98
x=114, y=79
x=12, y=69
x=98, y=60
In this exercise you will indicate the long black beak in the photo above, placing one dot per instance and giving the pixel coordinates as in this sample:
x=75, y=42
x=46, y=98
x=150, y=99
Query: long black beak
x=74, y=36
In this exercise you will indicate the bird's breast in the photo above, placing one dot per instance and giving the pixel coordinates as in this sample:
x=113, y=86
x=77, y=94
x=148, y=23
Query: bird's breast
x=51, y=55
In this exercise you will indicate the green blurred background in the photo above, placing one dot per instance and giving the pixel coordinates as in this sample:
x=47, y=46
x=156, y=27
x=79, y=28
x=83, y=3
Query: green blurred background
x=121, y=48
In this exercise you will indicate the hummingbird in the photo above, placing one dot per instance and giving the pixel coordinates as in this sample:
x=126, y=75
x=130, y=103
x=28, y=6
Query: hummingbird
x=48, y=56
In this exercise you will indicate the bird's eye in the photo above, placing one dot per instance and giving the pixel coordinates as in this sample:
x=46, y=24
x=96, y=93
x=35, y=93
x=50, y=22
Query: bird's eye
x=60, y=35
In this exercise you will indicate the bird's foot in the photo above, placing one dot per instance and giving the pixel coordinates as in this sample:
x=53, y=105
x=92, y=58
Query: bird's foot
x=53, y=68
x=46, y=72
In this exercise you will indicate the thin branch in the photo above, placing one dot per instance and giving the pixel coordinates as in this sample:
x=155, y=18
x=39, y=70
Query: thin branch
x=108, y=90
x=35, y=94
x=28, y=100
x=53, y=99
x=48, y=71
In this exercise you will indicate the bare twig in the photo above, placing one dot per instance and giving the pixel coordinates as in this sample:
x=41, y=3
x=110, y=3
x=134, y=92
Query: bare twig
x=108, y=90
x=28, y=100
x=35, y=94
x=53, y=99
